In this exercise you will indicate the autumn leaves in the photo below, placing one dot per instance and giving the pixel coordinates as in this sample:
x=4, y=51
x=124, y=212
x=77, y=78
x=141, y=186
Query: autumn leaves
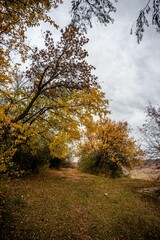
x=49, y=105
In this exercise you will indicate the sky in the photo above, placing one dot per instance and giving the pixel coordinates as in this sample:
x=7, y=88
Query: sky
x=128, y=72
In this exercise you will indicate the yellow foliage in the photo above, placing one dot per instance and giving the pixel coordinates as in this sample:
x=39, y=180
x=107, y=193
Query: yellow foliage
x=56, y=116
x=109, y=144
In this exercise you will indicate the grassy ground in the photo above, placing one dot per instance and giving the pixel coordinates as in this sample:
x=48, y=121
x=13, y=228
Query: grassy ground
x=66, y=204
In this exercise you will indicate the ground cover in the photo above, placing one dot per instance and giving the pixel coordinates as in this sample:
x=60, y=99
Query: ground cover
x=67, y=204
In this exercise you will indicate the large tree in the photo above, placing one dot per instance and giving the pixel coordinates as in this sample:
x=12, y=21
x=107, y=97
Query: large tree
x=58, y=86
x=56, y=94
x=47, y=103
x=150, y=132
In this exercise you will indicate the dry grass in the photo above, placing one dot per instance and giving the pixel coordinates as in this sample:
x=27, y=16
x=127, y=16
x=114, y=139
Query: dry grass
x=150, y=170
x=67, y=204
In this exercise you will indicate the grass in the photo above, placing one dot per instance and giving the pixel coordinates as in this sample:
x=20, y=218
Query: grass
x=68, y=205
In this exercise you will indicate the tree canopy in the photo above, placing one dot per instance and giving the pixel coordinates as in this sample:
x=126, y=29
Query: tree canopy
x=15, y=18
x=46, y=107
x=46, y=104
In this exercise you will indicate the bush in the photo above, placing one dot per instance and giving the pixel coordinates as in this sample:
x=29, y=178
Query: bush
x=96, y=165
x=23, y=160
x=27, y=161
x=108, y=147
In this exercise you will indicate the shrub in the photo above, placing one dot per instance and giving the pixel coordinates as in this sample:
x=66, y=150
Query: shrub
x=27, y=161
x=108, y=147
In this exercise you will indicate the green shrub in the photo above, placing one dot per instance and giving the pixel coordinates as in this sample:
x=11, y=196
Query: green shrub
x=94, y=163
x=26, y=161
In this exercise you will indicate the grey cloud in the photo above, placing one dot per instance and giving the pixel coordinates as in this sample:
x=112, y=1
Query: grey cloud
x=129, y=72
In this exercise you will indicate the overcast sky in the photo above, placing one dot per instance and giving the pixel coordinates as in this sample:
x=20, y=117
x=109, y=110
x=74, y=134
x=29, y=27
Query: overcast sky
x=129, y=73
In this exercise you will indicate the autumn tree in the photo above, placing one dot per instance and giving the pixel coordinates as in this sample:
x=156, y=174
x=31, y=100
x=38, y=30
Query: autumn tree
x=56, y=94
x=18, y=15
x=45, y=105
x=15, y=18
x=107, y=147
x=150, y=132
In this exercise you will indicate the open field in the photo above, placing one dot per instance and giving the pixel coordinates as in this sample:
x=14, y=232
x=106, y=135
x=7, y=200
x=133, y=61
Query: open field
x=67, y=204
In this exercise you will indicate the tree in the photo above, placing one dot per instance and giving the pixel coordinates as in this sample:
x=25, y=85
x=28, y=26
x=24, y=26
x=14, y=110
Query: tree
x=84, y=11
x=15, y=17
x=150, y=11
x=49, y=101
x=44, y=106
x=18, y=15
x=150, y=131
x=107, y=147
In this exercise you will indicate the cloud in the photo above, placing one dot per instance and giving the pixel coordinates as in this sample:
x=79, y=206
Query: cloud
x=129, y=72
